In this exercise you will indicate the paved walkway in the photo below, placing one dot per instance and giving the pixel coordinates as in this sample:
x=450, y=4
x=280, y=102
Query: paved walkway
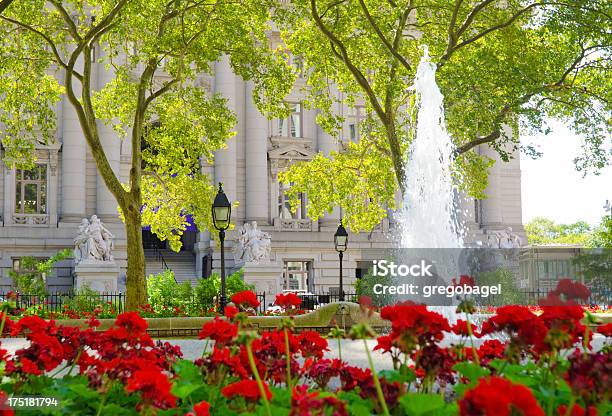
x=352, y=351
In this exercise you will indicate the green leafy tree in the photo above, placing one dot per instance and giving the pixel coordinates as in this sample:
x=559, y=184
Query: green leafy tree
x=602, y=234
x=542, y=230
x=504, y=66
x=157, y=50
x=31, y=278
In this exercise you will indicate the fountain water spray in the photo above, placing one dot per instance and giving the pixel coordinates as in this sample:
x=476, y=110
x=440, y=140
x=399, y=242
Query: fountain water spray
x=429, y=215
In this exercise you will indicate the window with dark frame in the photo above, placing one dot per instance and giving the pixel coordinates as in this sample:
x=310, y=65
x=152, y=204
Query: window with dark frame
x=31, y=190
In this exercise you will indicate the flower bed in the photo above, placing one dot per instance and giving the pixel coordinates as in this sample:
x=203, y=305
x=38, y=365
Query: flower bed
x=546, y=367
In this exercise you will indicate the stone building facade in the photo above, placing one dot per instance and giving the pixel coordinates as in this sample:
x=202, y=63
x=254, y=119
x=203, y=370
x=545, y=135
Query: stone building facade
x=40, y=209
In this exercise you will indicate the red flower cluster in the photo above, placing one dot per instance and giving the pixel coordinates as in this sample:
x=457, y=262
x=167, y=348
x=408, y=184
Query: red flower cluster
x=288, y=300
x=570, y=290
x=304, y=403
x=497, y=396
x=200, y=409
x=521, y=324
x=153, y=386
x=605, y=330
x=413, y=326
x=461, y=328
x=248, y=389
x=220, y=331
x=590, y=375
x=490, y=350
x=245, y=300
x=577, y=410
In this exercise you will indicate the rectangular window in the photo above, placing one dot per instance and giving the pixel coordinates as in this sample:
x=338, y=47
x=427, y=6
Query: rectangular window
x=355, y=118
x=31, y=190
x=292, y=125
x=284, y=207
x=296, y=275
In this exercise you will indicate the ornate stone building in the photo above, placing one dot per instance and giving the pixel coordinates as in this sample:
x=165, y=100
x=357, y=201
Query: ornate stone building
x=40, y=210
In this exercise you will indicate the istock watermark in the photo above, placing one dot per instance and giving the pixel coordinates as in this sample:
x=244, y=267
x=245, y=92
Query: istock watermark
x=384, y=268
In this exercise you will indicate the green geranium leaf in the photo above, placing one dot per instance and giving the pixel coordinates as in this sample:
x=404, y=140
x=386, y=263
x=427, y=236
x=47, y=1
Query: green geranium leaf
x=471, y=371
x=421, y=404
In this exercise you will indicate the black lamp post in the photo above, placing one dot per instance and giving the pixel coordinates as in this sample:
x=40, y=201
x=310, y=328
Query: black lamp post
x=608, y=207
x=340, y=242
x=221, y=213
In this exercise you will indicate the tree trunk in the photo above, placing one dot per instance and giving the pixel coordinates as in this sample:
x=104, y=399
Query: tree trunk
x=135, y=278
x=396, y=157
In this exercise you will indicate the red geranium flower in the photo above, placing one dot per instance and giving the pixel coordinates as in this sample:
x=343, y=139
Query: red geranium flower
x=491, y=349
x=288, y=300
x=5, y=410
x=200, y=409
x=461, y=328
x=312, y=344
x=572, y=290
x=577, y=411
x=589, y=375
x=605, y=330
x=219, y=330
x=154, y=387
x=246, y=299
x=304, y=403
x=247, y=389
x=413, y=325
x=231, y=312
x=496, y=396
x=131, y=321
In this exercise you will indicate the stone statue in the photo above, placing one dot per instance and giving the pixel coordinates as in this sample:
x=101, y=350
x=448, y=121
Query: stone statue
x=94, y=241
x=253, y=245
x=503, y=239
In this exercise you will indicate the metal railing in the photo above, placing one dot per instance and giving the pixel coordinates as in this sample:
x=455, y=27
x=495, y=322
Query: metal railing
x=60, y=302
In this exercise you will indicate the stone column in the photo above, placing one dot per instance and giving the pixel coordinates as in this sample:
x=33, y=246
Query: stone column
x=225, y=159
x=256, y=161
x=106, y=204
x=73, y=161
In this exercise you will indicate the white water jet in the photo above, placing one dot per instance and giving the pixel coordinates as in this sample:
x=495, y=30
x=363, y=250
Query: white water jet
x=429, y=215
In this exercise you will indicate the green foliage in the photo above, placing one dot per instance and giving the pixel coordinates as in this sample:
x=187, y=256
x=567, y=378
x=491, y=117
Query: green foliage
x=207, y=290
x=602, y=234
x=504, y=67
x=87, y=300
x=31, y=278
x=542, y=231
x=165, y=295
x=365, y=287
x=510, y=294
x=161, y=54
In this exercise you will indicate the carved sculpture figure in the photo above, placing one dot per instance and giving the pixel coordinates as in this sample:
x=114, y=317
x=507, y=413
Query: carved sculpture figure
x=253, y=245
x=503, y=239
x=93, y=242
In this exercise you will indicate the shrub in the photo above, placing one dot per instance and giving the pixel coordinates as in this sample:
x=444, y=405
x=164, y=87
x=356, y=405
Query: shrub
x=207, y=290
x=166, y=296
x=365, y=287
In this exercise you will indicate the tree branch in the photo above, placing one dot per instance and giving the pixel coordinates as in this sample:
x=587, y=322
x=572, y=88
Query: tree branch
x=384, y=40
x=4, y=4
x=48, y=40
x=342, y=54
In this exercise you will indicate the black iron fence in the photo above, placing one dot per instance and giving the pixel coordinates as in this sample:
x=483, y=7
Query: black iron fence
x=115, y=302
x=62, y=301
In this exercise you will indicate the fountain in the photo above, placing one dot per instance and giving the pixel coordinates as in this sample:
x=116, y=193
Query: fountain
x=429, y=215
x=428, y=219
